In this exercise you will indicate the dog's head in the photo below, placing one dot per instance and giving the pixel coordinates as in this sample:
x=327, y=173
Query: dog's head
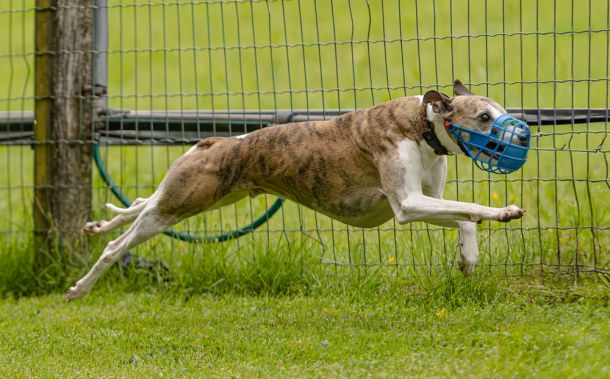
x=480, y=128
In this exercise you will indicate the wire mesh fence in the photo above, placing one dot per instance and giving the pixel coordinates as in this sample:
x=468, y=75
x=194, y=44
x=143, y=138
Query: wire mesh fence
x=183, y=70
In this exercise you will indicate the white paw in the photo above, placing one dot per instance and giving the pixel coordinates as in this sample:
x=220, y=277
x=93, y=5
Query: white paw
x=76, y=292
x=94, y=227
x=466, y=267
x=510, y=212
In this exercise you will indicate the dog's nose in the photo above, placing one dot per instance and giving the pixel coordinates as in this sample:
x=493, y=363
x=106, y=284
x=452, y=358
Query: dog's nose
x=523, y=139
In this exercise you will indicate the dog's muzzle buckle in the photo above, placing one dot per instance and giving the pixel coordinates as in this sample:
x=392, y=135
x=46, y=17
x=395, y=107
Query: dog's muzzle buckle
x=502, y=150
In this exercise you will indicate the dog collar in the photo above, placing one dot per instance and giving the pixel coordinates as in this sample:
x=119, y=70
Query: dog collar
x=432, y=139
x=430, y=136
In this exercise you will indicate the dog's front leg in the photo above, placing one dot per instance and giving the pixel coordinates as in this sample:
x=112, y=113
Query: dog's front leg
x=402, y=178
x=434, y=186
x=441, y=215
x=418, y=207
x=469, y=247
x=414, y=193
x=430, y=213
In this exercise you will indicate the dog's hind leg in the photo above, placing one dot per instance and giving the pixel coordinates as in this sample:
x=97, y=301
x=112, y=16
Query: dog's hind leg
x=103, y=226
x=186, y=190
x=147, y=224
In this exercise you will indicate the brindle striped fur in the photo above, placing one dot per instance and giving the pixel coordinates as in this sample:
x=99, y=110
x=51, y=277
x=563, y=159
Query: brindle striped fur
x=330, y=166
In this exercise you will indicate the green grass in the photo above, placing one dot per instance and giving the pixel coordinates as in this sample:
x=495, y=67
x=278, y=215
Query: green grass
x=476, y=327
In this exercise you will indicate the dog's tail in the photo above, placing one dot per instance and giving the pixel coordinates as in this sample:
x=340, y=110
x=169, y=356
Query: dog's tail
x=136, y=207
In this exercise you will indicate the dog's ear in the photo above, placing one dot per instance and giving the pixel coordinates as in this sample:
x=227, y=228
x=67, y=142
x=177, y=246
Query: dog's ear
x=440, y=102
x=460, y=90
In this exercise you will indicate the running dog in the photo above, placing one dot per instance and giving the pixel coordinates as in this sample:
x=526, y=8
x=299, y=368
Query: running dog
x=361, y=168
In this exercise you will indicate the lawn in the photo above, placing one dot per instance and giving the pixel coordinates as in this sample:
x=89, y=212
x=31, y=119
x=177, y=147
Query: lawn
x=475, y=328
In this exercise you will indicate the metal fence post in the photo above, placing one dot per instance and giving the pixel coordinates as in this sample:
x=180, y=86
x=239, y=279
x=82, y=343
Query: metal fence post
x=101, y=54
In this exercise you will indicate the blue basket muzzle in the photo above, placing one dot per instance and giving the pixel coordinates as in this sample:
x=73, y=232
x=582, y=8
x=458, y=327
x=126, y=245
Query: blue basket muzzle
x=502, y=150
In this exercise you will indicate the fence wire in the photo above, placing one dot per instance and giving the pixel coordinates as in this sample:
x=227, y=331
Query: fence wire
x=267, y=57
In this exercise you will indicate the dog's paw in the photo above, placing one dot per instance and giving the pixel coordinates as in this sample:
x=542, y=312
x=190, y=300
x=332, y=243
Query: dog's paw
x=94, y=227
x=510, y=212
x=467, y=262
x=76, y=292
x=465, y=267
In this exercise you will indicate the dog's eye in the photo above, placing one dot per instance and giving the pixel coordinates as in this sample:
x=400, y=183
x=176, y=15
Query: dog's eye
x=484, y=117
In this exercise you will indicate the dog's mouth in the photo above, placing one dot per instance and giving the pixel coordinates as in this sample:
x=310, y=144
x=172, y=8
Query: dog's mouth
x=493, y=150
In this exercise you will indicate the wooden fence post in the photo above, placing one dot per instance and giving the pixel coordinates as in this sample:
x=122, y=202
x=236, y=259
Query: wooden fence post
x=63, y=129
